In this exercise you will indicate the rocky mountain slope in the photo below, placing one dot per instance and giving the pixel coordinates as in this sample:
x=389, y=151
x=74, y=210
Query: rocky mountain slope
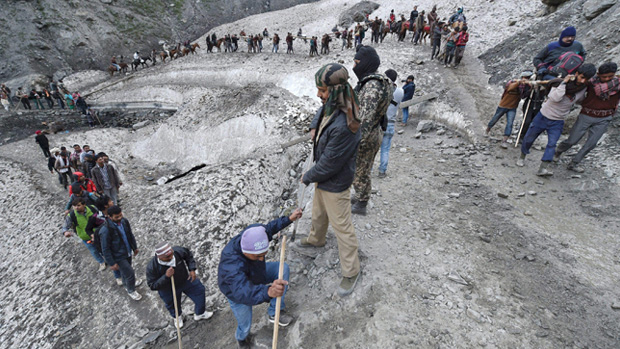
x=460, y=249
x=45, y=37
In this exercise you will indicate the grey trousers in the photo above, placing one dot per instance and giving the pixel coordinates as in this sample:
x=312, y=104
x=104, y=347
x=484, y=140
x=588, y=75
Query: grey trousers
x=112, y=194
x=595, y=127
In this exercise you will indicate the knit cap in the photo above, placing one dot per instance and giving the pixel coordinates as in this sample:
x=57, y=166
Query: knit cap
x=254, y=240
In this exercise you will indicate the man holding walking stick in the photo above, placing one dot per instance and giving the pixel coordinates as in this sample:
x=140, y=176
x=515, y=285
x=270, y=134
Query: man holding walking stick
x=247, y=280
x=176, y=263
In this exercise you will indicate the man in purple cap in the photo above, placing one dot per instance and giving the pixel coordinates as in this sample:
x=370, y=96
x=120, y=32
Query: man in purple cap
x=247, y=280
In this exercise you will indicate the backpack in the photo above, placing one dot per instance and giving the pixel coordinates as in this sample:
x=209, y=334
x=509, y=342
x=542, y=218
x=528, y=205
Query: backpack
x=567, y=64
x=384, y=80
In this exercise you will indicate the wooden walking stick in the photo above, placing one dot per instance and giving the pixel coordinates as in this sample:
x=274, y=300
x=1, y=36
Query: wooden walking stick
x=525, y=114
x=276, y=323
x=176, y=312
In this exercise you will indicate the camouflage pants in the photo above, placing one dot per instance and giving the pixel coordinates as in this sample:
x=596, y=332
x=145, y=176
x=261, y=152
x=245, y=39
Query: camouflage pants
x=363, y=165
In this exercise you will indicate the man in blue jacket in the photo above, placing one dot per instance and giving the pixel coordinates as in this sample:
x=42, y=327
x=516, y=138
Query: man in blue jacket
x=246, y=279
x=409, y=90
x=336, y=131
x=548, y=56
x=118, y=246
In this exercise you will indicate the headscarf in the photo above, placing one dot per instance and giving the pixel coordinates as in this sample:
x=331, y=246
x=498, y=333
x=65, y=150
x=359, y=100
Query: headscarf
x=335, y=77
x=369, y=61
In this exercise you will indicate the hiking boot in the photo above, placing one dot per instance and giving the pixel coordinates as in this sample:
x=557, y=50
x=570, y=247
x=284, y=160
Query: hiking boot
x=575, y=167
x=204, y=316
x=135, y=295
x=504, y=145
x=303, y=242
x=119, y=281
x=347, y=285
x=101, y=266
x=487, y=131
x=284, y=319
x=382, y=175
x=246, y=343
x=174, y=321
x=139, y=282
x=556, y=156
x=359, y=208
x=543, y=170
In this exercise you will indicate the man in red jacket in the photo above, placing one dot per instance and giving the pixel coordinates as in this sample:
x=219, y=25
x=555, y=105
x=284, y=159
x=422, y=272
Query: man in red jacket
x=461, y=41
x=597, y=110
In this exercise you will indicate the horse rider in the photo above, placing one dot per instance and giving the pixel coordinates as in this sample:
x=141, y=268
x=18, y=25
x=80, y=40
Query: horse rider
x=136, y=57
x=166, y=49
x=113, y=61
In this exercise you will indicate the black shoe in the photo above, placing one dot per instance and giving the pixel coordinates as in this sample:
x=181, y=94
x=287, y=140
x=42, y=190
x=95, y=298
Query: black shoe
x=359, y=208
x=246, y=343
x=284, y=319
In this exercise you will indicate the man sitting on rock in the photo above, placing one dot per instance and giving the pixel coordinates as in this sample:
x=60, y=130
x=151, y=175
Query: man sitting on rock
x=247, y=280
x=178, y=263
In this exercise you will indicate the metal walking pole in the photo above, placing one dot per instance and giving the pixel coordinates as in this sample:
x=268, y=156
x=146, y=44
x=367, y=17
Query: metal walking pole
x=529, y=102
x=274, y=343
x=176, y=312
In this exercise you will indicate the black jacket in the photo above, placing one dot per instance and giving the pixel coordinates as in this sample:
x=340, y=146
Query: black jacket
x=156, y=273
x=334, y=154
x=42, y=140
x=113, y=247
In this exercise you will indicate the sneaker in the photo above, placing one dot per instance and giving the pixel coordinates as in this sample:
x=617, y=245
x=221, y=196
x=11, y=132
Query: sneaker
x=135, y=296
x=139, y=282
x=359, y=208
x=246, y=343
x=556, y=157
x=204, y=316
x=382, y=175
x=101, y=266
x=347, y=285
x=284, y=319
x=119, y=281
x=575, y=167
x=544, y=171
x=521, y=162
x=504, y=145
x=487, y=131
x=174, y=321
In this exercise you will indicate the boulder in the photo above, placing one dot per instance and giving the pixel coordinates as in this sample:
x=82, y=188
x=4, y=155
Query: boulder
x=357, y=13
x=593, y=8
x=425, y=126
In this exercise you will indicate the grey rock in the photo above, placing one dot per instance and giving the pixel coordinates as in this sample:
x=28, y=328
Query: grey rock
x=152, y=337
x=553, y=2
x=454, y=276
x=417, y=135
x=425, y=126
x=141, y=124
x=476, y=316
x=615, y=305
x=356, y=13
x=502, y=195
x=593, y=8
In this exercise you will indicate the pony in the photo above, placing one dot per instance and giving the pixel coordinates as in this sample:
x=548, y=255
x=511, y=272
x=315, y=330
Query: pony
x=112, y=69
x=193, y=47
x=142, y=61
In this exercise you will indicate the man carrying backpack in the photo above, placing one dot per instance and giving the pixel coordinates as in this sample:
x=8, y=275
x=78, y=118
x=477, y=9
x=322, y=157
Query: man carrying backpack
x=375, y=94
x=77, y=193
x=118, y=246
x=82, y=220
x=549, y=56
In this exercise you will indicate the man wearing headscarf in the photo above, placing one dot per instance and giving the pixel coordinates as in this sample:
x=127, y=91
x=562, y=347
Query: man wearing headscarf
x=549, y=55
x=246, y=279
x=375, y=94
x=178, y=263
x=336, y=134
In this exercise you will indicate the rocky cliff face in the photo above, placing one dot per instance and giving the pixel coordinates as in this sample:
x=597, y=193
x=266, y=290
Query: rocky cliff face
x=49, y=36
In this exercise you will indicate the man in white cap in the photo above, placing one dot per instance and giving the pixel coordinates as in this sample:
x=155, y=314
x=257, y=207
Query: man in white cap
x=177, y=262
x=247, y=280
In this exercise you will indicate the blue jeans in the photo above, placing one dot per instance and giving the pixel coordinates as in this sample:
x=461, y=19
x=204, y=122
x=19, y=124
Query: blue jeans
x=127, y=273
x=94, y=252
x=194, y=290
x=510, y=118
x=243, y=312
x=405, y=115
x=385, y=147
x=538, y=125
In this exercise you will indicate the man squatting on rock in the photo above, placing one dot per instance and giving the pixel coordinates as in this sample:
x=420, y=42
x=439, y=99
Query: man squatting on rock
x=375, y=94
x=247, y=280
x=336, y=133
x=597, y=110
x=177, y=262
x=551, y=116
